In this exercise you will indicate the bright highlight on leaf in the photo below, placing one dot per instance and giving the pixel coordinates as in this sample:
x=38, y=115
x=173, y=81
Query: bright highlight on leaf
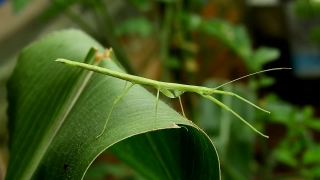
x=171, y=90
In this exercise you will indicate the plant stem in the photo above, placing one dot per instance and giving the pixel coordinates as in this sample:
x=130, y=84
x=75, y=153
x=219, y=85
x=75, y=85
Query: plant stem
x=111, y=38
x=98, y=21
x=164, y=39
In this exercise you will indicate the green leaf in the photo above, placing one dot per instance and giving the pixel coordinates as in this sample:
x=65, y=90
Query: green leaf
x=140, y=26
x=56, y=111
x=235, y=37
x=284, y=155
x=314, y=124
x=314, y=172
x=101, y=170
x=57, y=6
x=311, y=155
x=173, y=62
x=19, y=5
x=262, y=56
x=315, y=34
x=306, y=9
x=282, y=112
x=143, y=5
x=266, y=81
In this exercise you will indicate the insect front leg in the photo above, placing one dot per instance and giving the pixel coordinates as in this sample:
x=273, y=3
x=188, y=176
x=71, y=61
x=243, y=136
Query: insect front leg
x=239, y=97
x=234, y=113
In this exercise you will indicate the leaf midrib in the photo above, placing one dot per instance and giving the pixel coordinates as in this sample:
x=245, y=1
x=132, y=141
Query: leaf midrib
x=51, y=133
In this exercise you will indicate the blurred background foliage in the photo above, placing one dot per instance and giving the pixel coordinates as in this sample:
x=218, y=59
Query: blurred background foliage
x=208, y=42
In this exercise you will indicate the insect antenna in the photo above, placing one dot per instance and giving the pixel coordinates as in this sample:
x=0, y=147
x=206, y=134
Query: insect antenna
x=273, y=69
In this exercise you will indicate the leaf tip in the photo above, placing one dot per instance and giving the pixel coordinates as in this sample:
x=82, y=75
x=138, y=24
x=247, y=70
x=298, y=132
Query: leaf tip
x=174, y=126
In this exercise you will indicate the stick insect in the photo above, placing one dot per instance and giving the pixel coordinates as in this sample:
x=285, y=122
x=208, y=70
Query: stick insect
x=171, y=90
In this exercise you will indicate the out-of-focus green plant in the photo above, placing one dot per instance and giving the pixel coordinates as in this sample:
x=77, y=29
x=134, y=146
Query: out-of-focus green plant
x=236, y=38
x=101, y=26
x=296, y=149
x=177, y=21
x=309, y=9
x=315, y=34
x=135, y=26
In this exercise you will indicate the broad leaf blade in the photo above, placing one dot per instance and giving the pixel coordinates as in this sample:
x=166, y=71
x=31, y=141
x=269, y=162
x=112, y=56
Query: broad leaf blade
x=55, y=116
x=262, y=56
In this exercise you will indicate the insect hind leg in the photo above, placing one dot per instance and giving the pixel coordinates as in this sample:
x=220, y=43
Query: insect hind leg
x=113, y=104
x=155, y=114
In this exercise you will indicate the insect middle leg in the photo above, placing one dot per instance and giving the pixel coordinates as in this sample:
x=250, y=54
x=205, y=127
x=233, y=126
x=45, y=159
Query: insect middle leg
x=181, y=107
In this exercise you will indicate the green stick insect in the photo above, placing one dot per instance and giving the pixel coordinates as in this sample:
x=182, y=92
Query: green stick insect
x=171, y=90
